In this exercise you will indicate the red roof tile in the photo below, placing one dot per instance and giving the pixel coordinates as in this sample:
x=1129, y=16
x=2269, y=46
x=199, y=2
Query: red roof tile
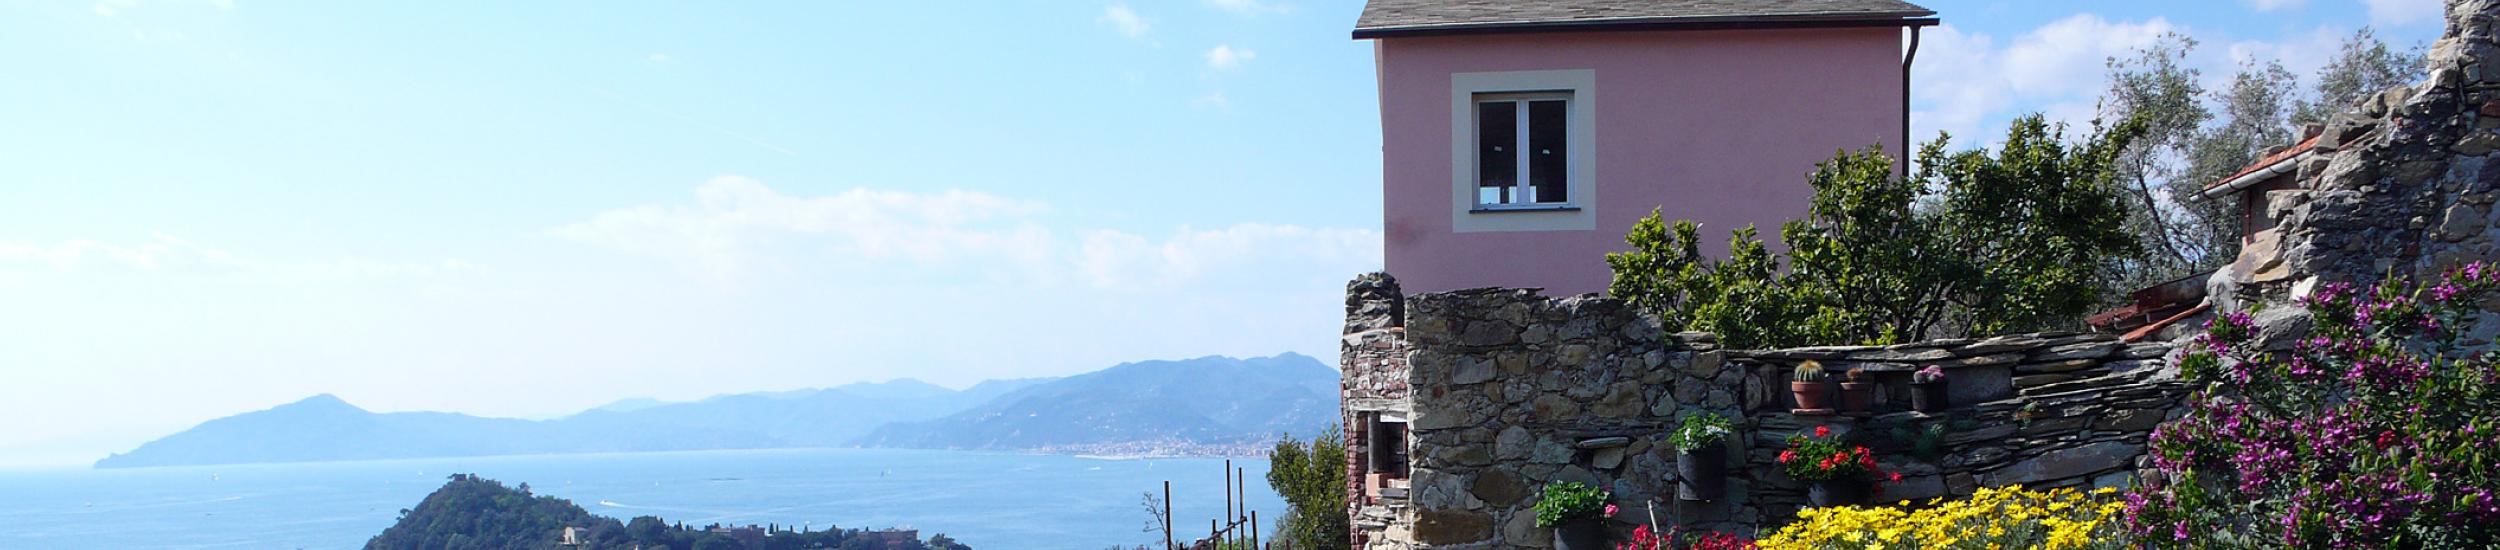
x=2270, y=160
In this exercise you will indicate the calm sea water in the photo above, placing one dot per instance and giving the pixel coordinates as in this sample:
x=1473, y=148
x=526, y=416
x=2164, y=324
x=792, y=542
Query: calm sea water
x=992, y=501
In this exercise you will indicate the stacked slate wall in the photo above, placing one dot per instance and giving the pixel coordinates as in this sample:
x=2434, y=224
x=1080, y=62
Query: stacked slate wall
x=1509, y=390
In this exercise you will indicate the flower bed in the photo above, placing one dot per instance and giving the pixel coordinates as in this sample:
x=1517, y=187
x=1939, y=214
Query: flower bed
x=1995, y=517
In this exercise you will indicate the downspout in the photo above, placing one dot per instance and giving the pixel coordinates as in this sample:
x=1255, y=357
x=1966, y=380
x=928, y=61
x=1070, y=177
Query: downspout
x=1906, y=60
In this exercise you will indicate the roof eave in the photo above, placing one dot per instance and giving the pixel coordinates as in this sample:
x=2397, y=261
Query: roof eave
x=1926, y=19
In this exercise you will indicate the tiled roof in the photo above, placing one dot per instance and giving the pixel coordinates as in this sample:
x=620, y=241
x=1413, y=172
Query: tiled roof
x=2261, y=164
x=1390, y=17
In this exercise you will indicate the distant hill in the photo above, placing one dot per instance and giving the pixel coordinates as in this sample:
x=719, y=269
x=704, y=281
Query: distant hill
x=1208, y=400
x=1213, y=400
x=471, y=512
x=323, y=427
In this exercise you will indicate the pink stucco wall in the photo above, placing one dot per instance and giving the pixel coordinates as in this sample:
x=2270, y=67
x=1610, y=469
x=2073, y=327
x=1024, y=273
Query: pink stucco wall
x=1721, y=127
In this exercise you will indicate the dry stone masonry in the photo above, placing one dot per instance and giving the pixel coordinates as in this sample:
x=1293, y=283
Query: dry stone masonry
x=2403, y=181
x=1502, y=391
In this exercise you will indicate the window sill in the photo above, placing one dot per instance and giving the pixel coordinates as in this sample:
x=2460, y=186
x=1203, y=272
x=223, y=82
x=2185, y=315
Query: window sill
x=1487, y=209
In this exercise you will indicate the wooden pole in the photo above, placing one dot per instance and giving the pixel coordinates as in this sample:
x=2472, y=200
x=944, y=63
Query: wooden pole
x=1167, y=514
x=1228, y=489
x=1254, y=530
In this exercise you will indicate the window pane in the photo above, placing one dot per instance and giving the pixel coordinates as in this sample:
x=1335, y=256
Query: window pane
x=1548, y=169
x=1497, y=156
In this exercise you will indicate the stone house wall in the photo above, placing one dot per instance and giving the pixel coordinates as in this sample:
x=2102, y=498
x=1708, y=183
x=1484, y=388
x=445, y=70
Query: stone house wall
x=1507, y=390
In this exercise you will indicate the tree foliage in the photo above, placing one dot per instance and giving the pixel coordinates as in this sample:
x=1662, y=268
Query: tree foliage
x=475, y=512
x=2195, y=137
x=1973, y=243
x=1311, y=478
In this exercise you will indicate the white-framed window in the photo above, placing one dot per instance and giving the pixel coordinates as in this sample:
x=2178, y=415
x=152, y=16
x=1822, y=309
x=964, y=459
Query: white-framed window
x=1522, y=150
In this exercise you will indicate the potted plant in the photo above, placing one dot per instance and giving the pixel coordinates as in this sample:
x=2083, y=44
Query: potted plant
x=1857, y=393
x=1927, y=389
x=1701, y=456
x=1809, y=387
x=1841, y=474
x=1575, y=512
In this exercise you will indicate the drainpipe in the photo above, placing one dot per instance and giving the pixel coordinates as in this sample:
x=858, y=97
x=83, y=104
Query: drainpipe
x=1906, y=60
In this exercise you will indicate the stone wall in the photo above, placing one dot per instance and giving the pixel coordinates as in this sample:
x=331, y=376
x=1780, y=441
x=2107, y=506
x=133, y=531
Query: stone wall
x=1507, y=390
x=2404, y=180
x=1373, y=364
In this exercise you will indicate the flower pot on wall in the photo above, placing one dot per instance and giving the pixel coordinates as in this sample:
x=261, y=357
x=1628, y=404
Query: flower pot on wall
x=1811, y=395
x=1928, y=396
x=1703, y=472
x=1856, y=396
x=1587, y=534
x=1836, y=492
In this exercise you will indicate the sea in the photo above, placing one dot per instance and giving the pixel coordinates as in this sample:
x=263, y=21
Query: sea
x=990, y=501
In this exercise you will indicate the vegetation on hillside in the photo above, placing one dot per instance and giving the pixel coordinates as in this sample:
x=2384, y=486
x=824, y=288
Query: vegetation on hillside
x=2195, y=137
x=1972, y=243
x=475, y=512
x=1311, y=478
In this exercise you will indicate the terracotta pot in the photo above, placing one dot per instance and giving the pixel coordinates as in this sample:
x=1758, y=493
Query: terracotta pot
x=1586, y=534
x=1703, y=472
x=1811, y=395
x=1928, y=396
x=1856, y=396
x=1836, y=492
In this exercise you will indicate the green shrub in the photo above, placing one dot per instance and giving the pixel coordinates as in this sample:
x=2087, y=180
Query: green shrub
x=1311, y=478
x=1971, y=244
x=1569, y=501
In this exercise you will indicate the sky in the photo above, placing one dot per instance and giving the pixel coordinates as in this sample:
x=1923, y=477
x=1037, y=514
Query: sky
x=528, y=209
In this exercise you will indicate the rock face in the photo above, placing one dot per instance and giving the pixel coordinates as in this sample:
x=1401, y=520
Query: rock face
x=2408, y=176
x=1504, y=391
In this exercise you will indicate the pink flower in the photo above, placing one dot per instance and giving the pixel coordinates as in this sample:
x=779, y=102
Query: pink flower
x=1610, y=510
x=1822, y=431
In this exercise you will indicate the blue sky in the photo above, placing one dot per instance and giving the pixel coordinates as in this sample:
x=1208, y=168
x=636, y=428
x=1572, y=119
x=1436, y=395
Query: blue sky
x=209, y=207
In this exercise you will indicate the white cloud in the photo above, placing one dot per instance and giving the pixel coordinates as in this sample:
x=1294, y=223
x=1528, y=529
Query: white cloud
x=736, y=218
x=110, y=8
x=1125, y=19
x=1965, y=83
x=739, y=225
x=1227, y=57
x=1248, y=7
x=1213, y=100
x=2272, y=5
x=2403, y=12
x=163, y=253
x=1112, y=259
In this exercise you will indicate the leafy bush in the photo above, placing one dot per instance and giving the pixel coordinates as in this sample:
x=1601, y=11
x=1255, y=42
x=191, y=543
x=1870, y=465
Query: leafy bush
x=1569, y=501
x=2377, y=429
x=1995, y=517
x=1971, y=244
x=1311, y=478
x=1699, y=431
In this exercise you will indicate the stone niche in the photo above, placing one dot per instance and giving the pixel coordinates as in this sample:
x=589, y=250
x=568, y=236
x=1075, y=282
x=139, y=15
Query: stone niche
x=1507, y=390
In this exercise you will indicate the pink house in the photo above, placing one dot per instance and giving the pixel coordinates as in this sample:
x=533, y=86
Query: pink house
x=1521, y=139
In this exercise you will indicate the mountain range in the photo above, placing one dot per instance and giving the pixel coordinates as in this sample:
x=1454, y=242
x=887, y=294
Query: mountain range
x=1210, y=400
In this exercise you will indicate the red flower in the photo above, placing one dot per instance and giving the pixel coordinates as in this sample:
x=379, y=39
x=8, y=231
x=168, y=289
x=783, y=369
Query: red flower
x=1786, y=456
x=1896, y=477
x=1822, y=431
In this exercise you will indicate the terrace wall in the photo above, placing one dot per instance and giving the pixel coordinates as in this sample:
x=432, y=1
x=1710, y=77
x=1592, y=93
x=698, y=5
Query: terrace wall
x=1507, y=390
